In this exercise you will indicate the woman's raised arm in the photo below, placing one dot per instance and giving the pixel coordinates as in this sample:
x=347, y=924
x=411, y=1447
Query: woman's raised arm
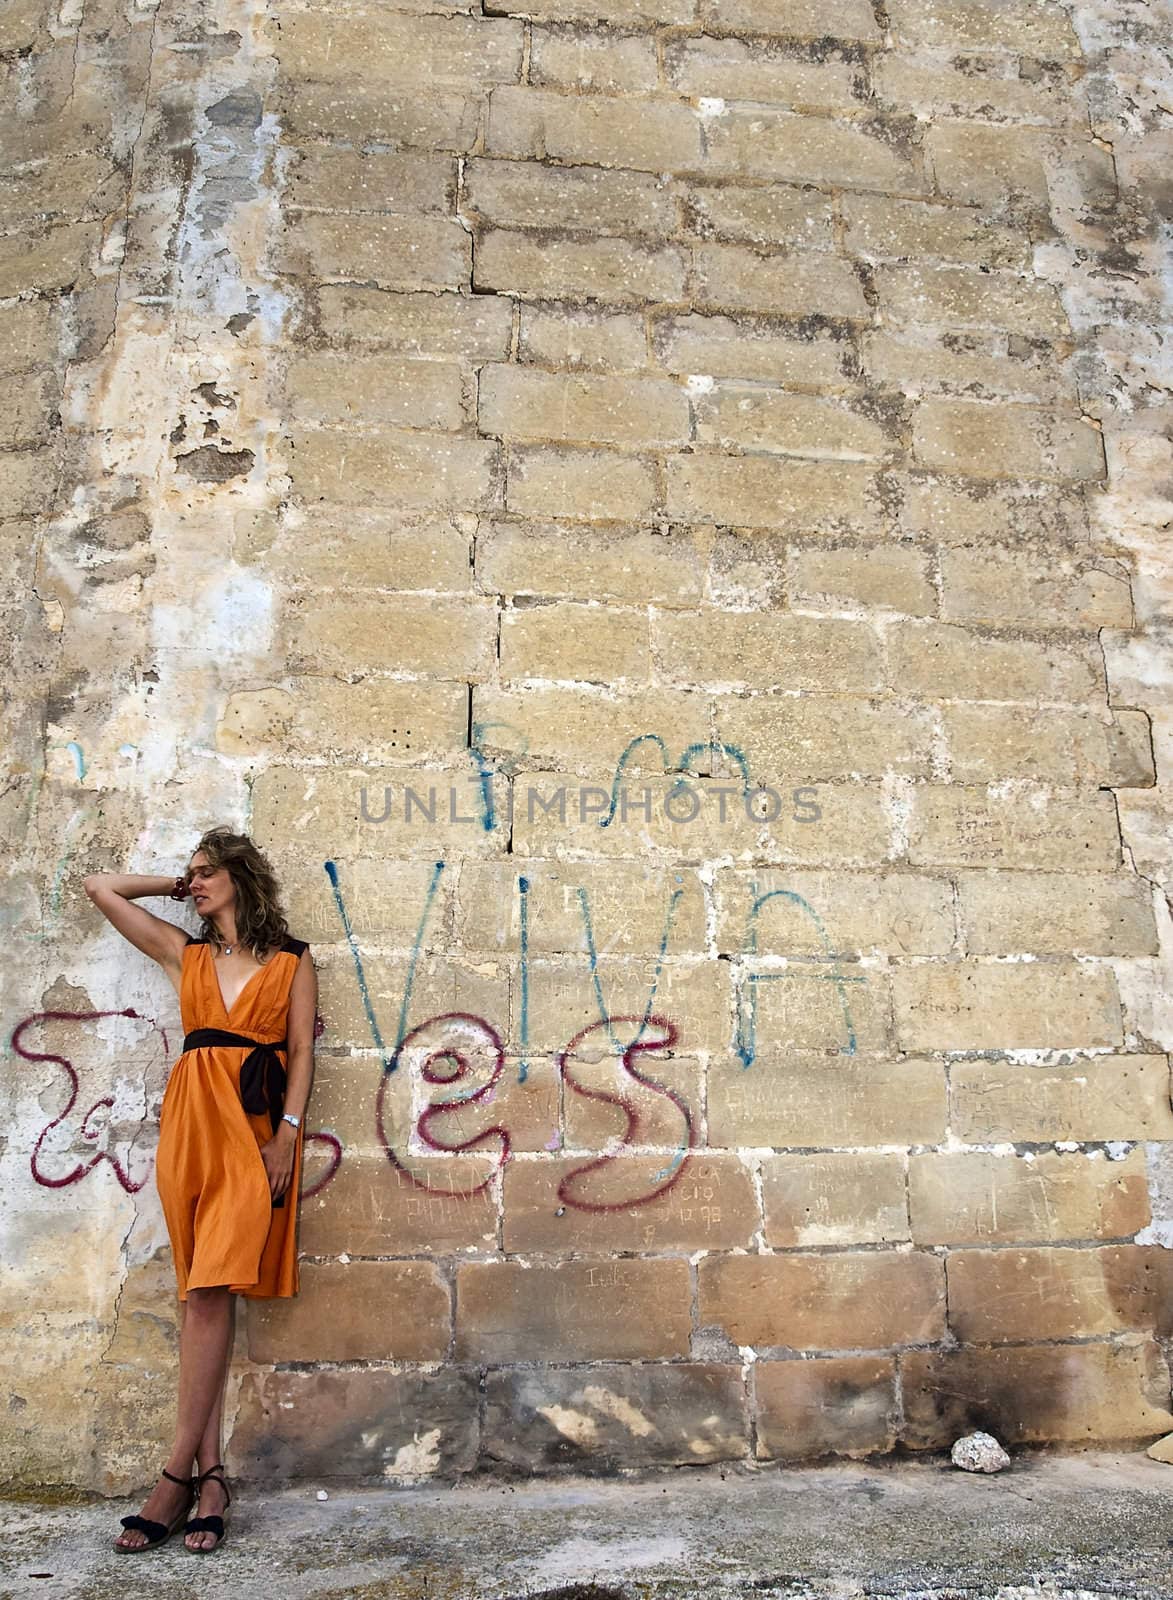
x=114, y=893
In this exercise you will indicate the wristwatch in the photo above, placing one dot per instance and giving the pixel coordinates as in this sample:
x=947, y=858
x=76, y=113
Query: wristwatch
x=291, y=1119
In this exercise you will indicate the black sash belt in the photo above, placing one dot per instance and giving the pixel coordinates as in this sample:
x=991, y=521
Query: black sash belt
x=262, y=1076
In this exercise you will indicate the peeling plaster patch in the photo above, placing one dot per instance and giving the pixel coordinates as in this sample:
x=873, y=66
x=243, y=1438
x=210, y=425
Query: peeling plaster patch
x=573, y=1425
x=1159, y=1166
x=614, y=1405
x=419, y=1459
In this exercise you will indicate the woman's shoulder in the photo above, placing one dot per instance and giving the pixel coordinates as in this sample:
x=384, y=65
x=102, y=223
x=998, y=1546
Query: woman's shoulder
x=295, y=947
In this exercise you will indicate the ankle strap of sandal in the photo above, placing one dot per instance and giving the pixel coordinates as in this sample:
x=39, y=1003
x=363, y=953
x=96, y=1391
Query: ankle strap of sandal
x=186, y=1482
x=216, y=1472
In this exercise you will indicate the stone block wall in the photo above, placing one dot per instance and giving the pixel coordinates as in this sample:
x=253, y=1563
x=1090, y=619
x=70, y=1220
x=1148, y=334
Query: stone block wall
x=649, y=511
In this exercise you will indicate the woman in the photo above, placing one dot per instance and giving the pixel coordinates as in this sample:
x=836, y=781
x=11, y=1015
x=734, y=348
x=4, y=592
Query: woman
x=230, y=1138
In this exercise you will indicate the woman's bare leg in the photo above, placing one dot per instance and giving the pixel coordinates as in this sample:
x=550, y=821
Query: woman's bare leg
x=204, y=1346
x=212, y=1495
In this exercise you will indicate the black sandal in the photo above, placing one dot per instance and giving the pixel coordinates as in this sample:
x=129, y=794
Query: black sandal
x=156, y=1532
x=208, y=1524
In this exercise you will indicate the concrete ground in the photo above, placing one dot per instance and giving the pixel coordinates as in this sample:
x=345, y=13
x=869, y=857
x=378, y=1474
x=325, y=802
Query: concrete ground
x=1075, y=1527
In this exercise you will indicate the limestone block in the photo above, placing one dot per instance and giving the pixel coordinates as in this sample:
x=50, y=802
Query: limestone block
x=404, y=633
x=883, y=228
x=596, y=485
x=363, y=1423
x=955, y=826
x=980, y=87
x=1032, y=587
x=722, y=347
x=1062, y=747
x=636, y=413
x=972, y=1006
x=766, y=652
x=1035, y=1393
x=728, y=277
x=1008, y=1296
x=958, y=512
x=983, y=165
x=27, y=480
x=634, y=565
x=688, y=822
x=399, y=48
x=27, y=407
x=563, y=1001
x=1033, y=27
x=793, y=738
x=383, y=899
x=757, y=491
x=977, y=363
x=764, y=143
x=374, y=1207
x=584, y=730
x=590, y=644
x=376, y=466
x=318, y=548
x=602, y=130
x=331, y=386
x=1000, y=441
x=516, y=194
x=601, y=1121
x=960, y=298
x=772, y=214
x=574, y=338
x=789, y=1099
x=58, y=258
x=864, y=1300
x=1100, y=1097
x=979, y=1198
x=833, y=577
x=28, y=336
x=609, y=270
x=324, y=177
x=358, y=1311
x=706, y=1202
x=628, y=907
x=609, y=1417
x=834, y=1199
x=588, y=58
x=947, y=660
x=472, y=327
x=798, y=19
x=588, y=1310
x=1052, y=913
x=844, y=1405
x=390, y=251
x=732, y=69
x=752, y=418
x=430, y=119
x=824, y=913
x=620, y=13
x=378, y=719
x=362, y=812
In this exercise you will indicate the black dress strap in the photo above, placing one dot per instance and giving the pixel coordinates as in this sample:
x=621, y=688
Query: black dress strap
x=295, y=947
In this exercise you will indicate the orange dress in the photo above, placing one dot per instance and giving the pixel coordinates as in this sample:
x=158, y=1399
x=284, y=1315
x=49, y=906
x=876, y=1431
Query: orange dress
x=224, y=1227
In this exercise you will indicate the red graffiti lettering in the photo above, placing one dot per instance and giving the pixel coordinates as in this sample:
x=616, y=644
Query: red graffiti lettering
x=88, y=1131
x=653, y=1114
x=462, y=1052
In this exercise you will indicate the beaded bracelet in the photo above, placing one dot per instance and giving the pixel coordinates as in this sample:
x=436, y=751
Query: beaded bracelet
x=179, y=891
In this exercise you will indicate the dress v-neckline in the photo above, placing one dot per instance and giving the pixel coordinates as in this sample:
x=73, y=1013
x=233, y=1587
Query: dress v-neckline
x=226, y=1009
